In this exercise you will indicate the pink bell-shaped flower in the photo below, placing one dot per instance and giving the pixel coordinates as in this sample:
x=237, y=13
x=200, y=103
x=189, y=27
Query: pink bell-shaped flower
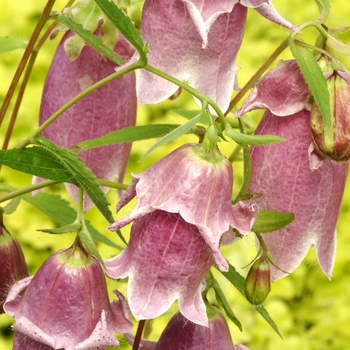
x=13, y=266
x=198, y=186
x=195, y=41
x=286, y=175
x=166, y=259
x=66, y=306
x=111, y=107
x=182, y=334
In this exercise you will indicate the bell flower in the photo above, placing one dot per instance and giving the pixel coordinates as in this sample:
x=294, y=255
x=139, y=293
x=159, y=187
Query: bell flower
x=196, y=185
x=182, y=334
x=166, y=259
x=196, y=41
x=13, y=266
x=111, y=107
x=66, y=306
x=285, y=175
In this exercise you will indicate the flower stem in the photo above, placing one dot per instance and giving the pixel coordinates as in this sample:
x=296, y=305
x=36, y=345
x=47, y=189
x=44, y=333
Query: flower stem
x=191, y=90
x=41, y=22
x=138, y=335
x=76, y=99
x=258, y=74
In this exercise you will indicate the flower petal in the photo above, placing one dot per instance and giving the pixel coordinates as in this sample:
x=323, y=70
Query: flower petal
x=282, y=90
x=197, y=46
x=282, y=175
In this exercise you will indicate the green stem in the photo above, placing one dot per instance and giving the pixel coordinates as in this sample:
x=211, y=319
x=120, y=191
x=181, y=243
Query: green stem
x=48, y=183
x=27, y=189
x=76, y=99
x=258, y=74
x=41, y=22
x=191, y=90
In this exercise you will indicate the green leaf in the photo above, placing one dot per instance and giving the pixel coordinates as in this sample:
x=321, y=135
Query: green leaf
x=324, y=8
x=173, y=135
x=60, y=211
x=37, y=161
x=314, y=78
x=82, y=175
x=238, y=281
x=269, y=221
x=253, y=140
x=74, y=227
x=10, y=43
x=124, y=24
x=90, y=39
x=11, y=207
x=130, y=134
x=222, y=301
x=190, y=114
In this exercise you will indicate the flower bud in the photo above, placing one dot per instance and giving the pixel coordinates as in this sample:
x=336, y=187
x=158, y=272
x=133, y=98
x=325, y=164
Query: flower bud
x=12, y=263
x=333, y=140
x=257, y=283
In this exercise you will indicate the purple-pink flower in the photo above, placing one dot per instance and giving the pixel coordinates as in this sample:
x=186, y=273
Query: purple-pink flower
x=291, y=177
x=196, y=41
x=13, y=266
x=196, y=185
x=109, y=108
x=65, y=305
x=167, y=259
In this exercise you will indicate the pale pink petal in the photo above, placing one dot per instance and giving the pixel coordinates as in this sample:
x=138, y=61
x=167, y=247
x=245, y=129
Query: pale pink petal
x=282, y=90
x=281, y=173
x=266, y=9
x=176, y=32
x=166, y=259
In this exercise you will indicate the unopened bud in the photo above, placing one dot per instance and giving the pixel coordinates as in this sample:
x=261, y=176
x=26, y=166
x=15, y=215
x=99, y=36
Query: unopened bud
x=333, y=140
x=257, y=283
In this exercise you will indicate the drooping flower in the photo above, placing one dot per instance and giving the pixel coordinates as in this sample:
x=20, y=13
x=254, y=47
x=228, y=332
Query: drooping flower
x=287, y=176
x=196, y=185
x=195, y=41
x=182, y=334
x=167, y=259
x=13, y=266
x=109, y=108
x=65, y=305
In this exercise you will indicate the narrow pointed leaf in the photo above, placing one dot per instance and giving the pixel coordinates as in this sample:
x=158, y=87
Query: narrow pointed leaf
x=314, y=78
x=324, y=8
x=83, y=176
x=124, y=24
x=175, y=134
x=269, y=221
x=131, y=134
x=253, y=140
x=10, y=43
x=64, y=229
x=238, y=281
x=221, y=299
x=37, y=161
x=90, y=39
x=59, y=210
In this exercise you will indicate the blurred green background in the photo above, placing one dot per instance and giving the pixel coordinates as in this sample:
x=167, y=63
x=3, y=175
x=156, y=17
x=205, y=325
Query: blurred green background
x=311, y=312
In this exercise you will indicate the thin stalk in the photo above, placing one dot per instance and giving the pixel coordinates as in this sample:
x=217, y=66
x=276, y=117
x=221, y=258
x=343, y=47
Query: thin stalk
x=42, y=20
x=27, y=189
x=27, y=74
x=258, y=74
x=47, y=183
x=191, y=90
x=138, y=335
x=76, y=99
